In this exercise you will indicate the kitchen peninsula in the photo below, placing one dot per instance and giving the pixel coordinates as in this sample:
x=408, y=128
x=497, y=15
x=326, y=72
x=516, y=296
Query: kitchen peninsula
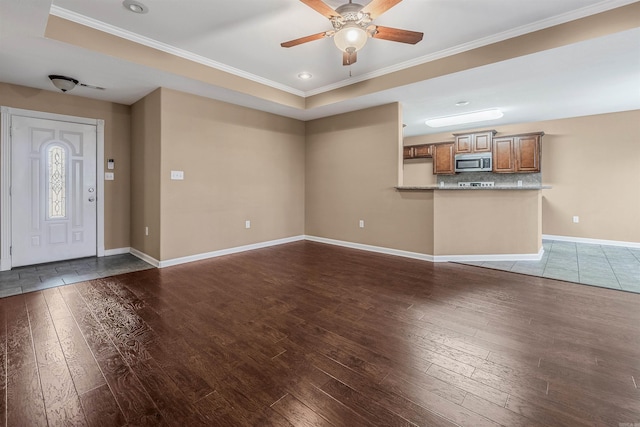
x=480, y=215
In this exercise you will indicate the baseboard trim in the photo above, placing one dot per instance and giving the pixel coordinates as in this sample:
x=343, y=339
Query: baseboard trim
x=146, y=258
x=371, y=248
x=214, y=254
x=116, y=251
x=490, y=257
x=591, y=241
x=351, y=245
x=426, y=257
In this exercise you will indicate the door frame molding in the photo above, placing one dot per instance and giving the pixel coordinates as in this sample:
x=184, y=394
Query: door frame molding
x=5, y=175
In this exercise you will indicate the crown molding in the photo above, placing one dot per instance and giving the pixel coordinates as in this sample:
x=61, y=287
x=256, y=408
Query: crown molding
x=146, y=41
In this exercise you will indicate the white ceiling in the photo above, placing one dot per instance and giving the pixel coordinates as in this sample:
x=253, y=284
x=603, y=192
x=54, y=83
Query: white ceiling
x=243, y=36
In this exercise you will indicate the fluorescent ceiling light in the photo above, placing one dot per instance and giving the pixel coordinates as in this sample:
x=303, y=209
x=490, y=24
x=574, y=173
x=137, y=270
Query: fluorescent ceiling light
x=458, y=119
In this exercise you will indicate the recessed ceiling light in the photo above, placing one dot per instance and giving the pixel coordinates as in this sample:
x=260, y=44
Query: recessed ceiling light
x=135, y=6
x=476, y=116
x=462, y=103
x=304, y=75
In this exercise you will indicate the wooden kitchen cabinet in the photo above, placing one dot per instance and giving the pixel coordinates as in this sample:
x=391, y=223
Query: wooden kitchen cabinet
x=443, y=159
x=418, y=151
x=527, y=149
x=422, y=151
x=517, y=153
x=477, y=142
x=504, y=159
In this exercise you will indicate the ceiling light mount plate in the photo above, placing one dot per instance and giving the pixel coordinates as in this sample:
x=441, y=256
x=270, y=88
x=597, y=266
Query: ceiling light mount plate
x=135, y=6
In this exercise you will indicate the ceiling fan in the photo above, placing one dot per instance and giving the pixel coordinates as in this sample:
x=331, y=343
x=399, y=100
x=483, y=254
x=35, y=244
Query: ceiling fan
x=352, y=27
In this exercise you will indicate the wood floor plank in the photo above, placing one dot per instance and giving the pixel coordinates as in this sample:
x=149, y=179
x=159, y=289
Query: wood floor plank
x=24, y=396
x=498, y=413
x=60, y=396
x=3, y=364
x=442, y=406
x=298, y=414
x=101, y=408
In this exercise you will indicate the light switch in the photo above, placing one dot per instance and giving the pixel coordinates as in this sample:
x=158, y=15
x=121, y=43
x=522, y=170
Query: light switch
x=177, y=175
x=111, y=164
x=109, y=176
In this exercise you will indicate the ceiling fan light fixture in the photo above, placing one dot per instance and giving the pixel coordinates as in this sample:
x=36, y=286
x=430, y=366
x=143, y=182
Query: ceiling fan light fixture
x=459, y=119
x=63, y=83
x=351, y=38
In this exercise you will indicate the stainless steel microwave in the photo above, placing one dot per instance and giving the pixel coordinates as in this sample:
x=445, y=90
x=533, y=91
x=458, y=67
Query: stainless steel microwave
x=478, y=162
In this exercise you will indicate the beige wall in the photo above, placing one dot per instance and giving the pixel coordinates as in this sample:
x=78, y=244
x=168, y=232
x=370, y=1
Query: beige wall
x=117, y=122
x=351, y=171
x=486, y=222
x=145, y=174
x=593, y=165
x=239, y=164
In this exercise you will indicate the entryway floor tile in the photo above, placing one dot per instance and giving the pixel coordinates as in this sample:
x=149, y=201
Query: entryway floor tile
x=43, y=276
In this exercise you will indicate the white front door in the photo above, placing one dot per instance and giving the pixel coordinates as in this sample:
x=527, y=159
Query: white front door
x=53, y=190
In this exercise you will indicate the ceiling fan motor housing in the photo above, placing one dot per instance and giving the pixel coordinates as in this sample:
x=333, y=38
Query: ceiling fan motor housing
x=350, y=14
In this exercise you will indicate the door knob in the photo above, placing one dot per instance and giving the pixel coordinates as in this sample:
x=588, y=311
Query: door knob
x=91, y=190
x=92, y=199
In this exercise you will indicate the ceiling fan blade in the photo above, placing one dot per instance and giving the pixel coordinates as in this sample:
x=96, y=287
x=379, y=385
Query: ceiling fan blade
x=349, y=58
x=91, y=86
x=321, y=7
x=307, y=39
x=397, y=35
x=378, y=7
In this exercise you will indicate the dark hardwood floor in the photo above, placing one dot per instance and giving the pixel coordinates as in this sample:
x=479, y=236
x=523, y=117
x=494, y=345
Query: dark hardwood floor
x=306, y=334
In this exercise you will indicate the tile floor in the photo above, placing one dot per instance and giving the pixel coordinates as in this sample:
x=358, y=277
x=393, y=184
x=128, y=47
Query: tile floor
x=36, y=277
x=612, y=267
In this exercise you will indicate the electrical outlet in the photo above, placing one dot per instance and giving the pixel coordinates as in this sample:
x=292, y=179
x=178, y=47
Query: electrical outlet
x=177, y=175
x=519, y=183
x=109, y=176
x=576, y=219
x=247, y=224
x=362, y=223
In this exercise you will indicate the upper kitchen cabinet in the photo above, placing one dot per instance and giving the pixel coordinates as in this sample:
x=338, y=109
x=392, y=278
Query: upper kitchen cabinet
x=443, y=159
x=476, y=142
x=422, y=151
x=528, y=152
x=517, y=153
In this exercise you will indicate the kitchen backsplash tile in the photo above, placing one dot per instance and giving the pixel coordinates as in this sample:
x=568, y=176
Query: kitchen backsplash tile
x=500, y=179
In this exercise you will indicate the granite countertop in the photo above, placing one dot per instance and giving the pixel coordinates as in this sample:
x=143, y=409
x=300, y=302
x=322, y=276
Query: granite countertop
x=500, y=187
